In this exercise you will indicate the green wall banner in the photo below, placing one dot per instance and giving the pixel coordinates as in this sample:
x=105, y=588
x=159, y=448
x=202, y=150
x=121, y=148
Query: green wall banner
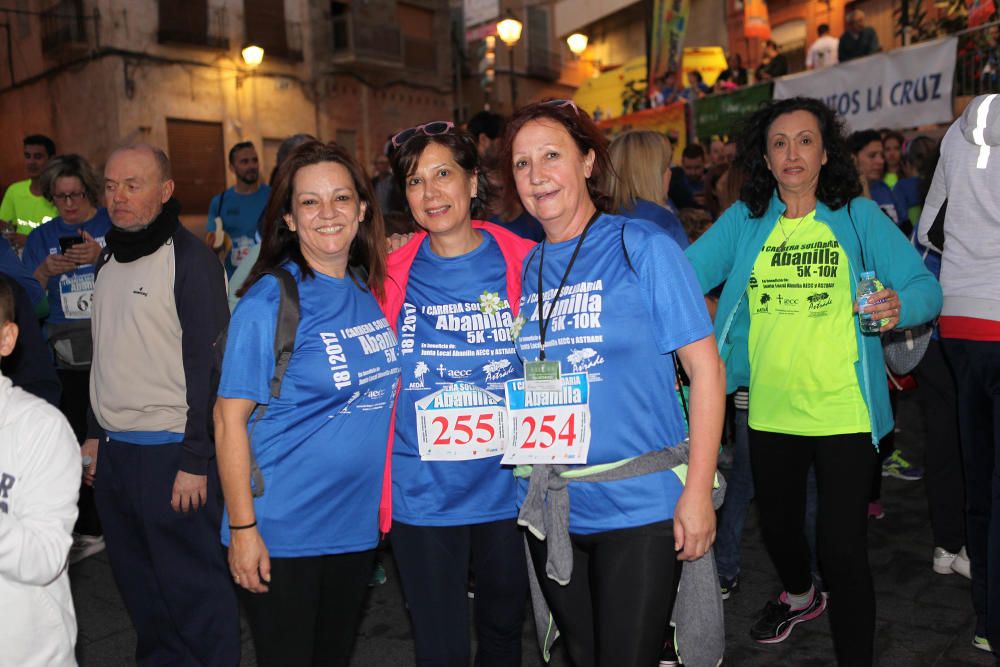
x=722, y=113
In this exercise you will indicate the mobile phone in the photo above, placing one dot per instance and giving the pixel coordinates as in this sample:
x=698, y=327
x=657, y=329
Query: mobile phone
x=68, y=242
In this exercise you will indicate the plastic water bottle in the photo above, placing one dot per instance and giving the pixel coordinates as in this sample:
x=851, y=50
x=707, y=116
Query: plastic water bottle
x=869, y=285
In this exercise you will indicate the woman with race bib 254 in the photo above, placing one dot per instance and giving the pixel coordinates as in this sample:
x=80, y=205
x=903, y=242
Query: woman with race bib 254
x=607, y=305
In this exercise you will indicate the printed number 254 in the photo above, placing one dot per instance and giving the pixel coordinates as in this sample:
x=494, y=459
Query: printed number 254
x=546, y=433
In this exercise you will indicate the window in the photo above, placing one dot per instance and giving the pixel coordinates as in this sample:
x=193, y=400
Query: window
x=184, y=21
x=198, y=157
x=417, y=28
x=264, y=23
x=340, y=14
x=542, y=60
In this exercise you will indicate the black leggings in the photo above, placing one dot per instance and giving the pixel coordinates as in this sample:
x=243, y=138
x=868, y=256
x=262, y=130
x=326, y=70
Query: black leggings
x=844, y=468
x=434, y=566
x=310, y=614
x=614, y=610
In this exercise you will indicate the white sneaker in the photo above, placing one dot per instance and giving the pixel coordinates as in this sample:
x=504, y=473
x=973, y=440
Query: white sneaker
x=85, y=546
x=961, y=564
x=946, y=562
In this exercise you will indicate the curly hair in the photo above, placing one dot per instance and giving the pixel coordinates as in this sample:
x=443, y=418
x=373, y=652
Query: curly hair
x=838, y=178
x=585, y=134
x=279, y=244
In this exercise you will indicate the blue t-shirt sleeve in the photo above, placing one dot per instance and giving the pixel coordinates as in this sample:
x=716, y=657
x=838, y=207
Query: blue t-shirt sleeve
x=213, y=211
x=34, y=250
x=669, y=288
x=248, y=363
x=12, y=266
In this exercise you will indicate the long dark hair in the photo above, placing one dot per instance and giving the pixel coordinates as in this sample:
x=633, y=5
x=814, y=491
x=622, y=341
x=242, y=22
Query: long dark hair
x=838, y=178
x=585, y=134
x=463, y=151
x=279, y=244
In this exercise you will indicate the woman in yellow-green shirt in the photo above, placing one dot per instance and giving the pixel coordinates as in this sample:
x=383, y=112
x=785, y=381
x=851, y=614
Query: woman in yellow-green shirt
x=790, y=253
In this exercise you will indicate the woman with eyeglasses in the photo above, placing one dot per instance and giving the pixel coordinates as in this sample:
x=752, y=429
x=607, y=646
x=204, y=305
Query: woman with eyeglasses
x=451, y=295
x=613, y=300
x=61, y=254
x=302, y=552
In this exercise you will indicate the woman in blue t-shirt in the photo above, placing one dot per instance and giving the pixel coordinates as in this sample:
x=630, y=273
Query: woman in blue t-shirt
x=618, y=303
x=451, y=294
x=61, y=254
x=641, y=180
x=302, y=552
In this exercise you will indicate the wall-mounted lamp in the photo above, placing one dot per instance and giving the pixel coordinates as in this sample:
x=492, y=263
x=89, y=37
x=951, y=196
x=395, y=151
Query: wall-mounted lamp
x=253, y=55
x=577, y=43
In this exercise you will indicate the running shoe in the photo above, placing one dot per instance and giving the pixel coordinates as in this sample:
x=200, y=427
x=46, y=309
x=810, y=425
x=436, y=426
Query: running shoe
x=946, y=562
x=875, y=510
x=728, y=586
x=898, y=467
x=85, y=546
x=777, y=619
x=982, y=643
x=668, y=657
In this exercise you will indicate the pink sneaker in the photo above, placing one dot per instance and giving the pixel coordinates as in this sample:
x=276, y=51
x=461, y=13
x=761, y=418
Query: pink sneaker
x=875, y=510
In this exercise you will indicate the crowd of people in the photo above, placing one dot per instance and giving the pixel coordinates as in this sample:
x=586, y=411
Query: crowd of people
x=858, y=40
x=512, y=352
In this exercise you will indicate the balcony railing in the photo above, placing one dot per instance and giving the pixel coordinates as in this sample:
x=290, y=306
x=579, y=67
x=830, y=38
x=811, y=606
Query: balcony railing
x=211, y=32
x=544, y=64
x=63, y=25
x=357, y=39
x=977, y=66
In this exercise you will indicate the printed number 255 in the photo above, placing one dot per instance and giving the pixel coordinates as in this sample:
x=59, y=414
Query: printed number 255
x=461, y=431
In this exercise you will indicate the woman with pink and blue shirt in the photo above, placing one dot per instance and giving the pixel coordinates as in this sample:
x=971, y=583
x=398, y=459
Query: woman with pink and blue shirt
x=451, y=295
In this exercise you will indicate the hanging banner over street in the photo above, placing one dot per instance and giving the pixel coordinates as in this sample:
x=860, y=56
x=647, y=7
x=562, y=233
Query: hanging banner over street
x=756, y=24
x=903, y=88
x=668, y=120
x=668, y=25
x=721, y=115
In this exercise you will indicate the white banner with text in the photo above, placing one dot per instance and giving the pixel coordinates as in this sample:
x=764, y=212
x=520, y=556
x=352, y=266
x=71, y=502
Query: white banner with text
x=902, y=88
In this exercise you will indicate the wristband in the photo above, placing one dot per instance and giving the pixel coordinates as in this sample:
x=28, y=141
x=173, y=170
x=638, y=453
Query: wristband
x=249, y=525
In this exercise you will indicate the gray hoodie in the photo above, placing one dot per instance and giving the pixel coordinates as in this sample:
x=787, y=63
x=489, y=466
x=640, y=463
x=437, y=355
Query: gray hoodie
x=968, y=177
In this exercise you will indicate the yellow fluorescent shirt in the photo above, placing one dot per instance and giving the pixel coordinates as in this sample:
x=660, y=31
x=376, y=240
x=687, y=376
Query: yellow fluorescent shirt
x=802, y=344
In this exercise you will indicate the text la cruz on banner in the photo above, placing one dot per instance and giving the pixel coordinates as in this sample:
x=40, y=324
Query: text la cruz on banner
x=903, y=88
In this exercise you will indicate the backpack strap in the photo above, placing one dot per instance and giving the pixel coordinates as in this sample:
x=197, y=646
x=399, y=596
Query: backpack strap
x=284, y=344
x=288, y=324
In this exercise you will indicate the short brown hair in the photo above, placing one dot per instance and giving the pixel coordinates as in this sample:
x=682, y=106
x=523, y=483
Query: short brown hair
x=72, y=166
x=585, y=134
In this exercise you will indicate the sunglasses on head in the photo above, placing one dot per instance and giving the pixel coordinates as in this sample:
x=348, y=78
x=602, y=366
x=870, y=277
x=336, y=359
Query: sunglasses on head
x=432, y=129
x=559, y=104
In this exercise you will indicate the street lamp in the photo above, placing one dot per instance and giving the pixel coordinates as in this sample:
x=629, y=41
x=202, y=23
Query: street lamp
x=509, y=31
x=252, y=54
x=577, y=43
